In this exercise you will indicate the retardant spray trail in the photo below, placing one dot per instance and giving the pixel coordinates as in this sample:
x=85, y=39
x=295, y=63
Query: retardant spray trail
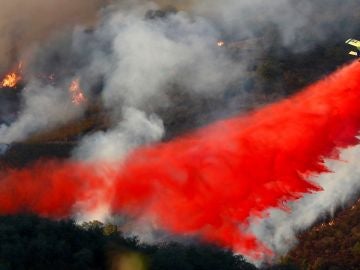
x=210, y=182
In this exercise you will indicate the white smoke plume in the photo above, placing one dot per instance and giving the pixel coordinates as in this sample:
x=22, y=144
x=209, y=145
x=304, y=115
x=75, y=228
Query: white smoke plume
x=24, y=23
x=148, y=56
x=141, y=60
x=279, y=230
x=25, y=26
x=44, y=107
x=302, y=24
x=135, y=129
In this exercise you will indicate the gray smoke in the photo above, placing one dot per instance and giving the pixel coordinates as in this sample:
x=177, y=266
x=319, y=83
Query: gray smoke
x=135, y=129
x=24, y=23
x=149, y=56
x=300, y=24
x=280, y=228
x=44, y=107
x=25, y=27
x=141, y=60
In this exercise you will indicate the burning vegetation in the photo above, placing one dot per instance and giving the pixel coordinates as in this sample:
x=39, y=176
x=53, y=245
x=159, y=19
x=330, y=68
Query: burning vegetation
x=13, y=78
x=333, y=244
x=268, y=73
x=77, y=94
x=221, y=43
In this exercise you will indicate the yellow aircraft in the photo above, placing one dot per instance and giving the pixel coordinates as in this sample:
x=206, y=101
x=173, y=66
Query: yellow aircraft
x=355, y=43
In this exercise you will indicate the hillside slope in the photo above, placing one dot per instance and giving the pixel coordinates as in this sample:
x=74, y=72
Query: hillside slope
x=332, y=244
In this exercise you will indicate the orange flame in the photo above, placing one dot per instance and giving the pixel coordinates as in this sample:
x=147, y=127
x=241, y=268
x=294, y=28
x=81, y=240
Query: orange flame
x=220, y=43
x=77, y=95
x=12, y=79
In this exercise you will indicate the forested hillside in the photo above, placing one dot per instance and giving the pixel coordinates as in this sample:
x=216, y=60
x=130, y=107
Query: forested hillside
x=29, y=242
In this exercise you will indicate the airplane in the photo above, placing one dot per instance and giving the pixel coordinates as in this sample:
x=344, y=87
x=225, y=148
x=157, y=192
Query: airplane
x=355, y=43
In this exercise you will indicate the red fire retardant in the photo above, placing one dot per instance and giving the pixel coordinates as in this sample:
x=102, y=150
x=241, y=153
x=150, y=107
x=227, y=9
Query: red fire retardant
x=209, y=182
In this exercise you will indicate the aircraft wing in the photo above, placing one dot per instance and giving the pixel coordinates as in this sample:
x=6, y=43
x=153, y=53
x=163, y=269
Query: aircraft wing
x=353, y=42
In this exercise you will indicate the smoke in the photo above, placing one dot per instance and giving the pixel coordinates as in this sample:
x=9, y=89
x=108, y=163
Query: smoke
x=44, y=107
x=148, y=58
x=301, y=24
x=134, y=130
x=140, y=61
x=26, y=23
x=264, y=158
x=280, y=229
x=25, y=28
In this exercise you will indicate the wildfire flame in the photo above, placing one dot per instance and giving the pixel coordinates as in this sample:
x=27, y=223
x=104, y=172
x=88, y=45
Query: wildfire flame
x=77, y=95
x=12, y=79
x=332, y=223
x=220, y=43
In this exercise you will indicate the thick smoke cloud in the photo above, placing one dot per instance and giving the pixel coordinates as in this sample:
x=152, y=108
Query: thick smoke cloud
x=44, y=107
x=301, y=24
x=134, y=130
x=148, y=57
x=208, y=183
x=25, y=27
x=24, y=23
x=141, y=60
x=340, y=186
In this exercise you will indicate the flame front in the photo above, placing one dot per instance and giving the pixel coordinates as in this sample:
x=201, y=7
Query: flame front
x=220, y=43
x=77, y=95
x=12, y=79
